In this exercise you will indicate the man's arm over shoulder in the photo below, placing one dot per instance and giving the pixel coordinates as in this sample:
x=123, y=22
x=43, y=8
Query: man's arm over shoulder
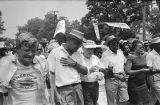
x=8, y=68
x=149, y=60
x=104, y=59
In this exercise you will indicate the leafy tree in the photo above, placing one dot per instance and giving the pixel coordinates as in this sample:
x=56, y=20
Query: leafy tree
x=41, y=28
x=45, y=28
x=48, y=29
x=1, y=24
x=127, y=11
x=153, y=21
x=34, y=25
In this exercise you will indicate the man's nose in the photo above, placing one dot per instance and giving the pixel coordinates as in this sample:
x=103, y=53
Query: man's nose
x=30, y=53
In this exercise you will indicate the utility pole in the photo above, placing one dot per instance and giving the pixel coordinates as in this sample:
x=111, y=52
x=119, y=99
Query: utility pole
x=144, y=21
x=55, y=15
x=1, y=24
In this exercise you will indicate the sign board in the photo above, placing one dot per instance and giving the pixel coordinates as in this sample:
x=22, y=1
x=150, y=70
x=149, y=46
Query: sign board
x=119, y=25
x=2, y=45
x=96, y=29
x=61, y=27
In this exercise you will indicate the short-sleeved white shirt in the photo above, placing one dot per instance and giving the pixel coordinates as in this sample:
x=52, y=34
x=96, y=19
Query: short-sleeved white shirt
x=64, y=75
x=116, y=61
x=153, y=60
x=93, y=61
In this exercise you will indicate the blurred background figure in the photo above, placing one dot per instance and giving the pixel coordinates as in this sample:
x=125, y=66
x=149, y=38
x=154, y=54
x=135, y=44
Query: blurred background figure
x=3, y=51
x=147, y=46
x=40, y=51
x=124, y=46
x=98, y=52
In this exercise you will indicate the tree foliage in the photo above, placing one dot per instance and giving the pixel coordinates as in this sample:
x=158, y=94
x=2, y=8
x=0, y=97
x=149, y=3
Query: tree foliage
x=127, y=11
x=45, y=28
x=153, y=21
x=1, y=24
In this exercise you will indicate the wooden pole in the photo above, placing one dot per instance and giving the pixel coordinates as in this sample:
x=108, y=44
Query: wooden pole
x=144, y=21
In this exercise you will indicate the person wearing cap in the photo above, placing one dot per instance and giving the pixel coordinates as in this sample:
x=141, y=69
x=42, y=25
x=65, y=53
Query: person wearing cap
x=153, y=62
x=90, y=83
x=64, y=64
x=22, y=76
x=124, y=46
x=147, y=46
x=114, y=60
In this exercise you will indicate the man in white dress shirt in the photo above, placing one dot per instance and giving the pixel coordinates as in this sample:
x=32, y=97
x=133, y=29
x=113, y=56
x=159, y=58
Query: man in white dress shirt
x=65, y=69
x=153, y=62
x=114, y=60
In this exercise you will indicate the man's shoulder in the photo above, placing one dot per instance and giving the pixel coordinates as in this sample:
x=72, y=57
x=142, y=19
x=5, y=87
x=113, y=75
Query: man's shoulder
x=151, y=53
x=56, y=50
x=95, y=57
x=131, y=57
x=8, y=68
x=120, y=52
x=106, y=53
x=7, y=59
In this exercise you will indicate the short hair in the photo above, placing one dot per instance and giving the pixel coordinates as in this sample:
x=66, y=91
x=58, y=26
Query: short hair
x=25, y=37
x=135, y=43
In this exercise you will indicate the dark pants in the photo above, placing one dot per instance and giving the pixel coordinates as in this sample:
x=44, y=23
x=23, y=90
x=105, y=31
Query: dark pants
x=90, y=92
x=1, y=98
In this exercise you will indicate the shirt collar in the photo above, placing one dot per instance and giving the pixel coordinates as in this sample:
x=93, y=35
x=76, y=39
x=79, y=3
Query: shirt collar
x=154, y=52
x=111, y=52
x=63, y=49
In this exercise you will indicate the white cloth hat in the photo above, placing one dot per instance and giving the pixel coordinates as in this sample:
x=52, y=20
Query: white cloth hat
x=91, y=44
x=61, y=27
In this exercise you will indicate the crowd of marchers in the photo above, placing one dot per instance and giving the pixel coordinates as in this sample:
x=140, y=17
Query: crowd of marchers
x=77, y=71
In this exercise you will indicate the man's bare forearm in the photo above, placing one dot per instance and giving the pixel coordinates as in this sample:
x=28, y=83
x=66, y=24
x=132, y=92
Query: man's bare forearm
x=81, y=69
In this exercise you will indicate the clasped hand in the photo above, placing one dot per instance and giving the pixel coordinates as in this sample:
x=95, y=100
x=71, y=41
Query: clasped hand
x=94, y=69
x=67, y=61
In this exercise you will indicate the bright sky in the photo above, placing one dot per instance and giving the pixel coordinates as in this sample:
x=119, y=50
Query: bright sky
x=15, y=13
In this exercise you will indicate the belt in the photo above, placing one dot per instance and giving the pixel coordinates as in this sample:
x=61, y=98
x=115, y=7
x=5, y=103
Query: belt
x=120, y=73
x=70, y=85
x=155, y=72
x=89, y=82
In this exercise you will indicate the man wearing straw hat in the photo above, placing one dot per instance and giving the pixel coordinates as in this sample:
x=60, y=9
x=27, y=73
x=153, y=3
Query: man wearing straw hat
x=153, y=62
x=64, y=66
x=90, y=83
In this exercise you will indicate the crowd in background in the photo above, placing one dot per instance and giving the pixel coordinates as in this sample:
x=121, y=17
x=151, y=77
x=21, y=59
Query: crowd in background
x=76, y=71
